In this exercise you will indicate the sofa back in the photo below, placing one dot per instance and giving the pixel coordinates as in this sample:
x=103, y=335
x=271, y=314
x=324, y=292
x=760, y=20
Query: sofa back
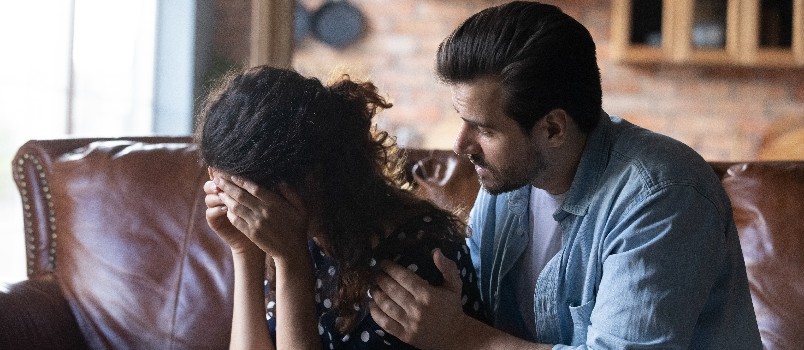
x=768, y=203
x=120, y=223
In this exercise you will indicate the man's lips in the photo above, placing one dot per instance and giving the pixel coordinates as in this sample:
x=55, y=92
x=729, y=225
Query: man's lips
x=480, y=167
x=477, y=161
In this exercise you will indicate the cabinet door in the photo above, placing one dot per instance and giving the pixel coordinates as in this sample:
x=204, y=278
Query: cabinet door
x=711, y=32
x=708, y=31
x=772, y=32
x=642, y=30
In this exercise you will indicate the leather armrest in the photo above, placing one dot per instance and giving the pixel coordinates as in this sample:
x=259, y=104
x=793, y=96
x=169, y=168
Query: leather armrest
x=35, y=315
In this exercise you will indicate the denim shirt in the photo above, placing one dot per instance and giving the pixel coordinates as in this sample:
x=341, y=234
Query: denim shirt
x=650, y=256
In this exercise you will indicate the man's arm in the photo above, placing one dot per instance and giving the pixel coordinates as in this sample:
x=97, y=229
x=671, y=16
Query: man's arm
x=430, y=317
x=660, y=264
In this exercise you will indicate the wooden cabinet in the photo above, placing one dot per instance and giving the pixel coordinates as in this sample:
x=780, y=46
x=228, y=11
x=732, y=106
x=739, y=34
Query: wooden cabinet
x=709, y=32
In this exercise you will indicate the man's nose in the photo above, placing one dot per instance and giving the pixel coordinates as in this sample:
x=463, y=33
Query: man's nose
x=464, y=142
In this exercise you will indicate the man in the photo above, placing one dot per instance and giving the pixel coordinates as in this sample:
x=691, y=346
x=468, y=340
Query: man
x=590, y=232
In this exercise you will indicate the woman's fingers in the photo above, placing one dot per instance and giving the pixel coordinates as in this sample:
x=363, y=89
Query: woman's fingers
x=239, y=223
x=211, y=188
x=237, y=193
x=259, y=194
x=234, y=207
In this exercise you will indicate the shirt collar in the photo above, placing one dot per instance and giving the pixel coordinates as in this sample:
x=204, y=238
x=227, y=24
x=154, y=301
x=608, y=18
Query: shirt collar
x=590, y=169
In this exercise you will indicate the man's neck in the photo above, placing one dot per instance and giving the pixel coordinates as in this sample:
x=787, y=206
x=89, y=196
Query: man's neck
x=562, y=167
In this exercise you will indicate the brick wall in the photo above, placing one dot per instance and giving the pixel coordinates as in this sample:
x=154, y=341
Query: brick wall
x=721, y=112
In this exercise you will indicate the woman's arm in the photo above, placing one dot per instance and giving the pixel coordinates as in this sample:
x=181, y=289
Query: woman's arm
x=249, y=328
x=296, y=318
x=277, y=223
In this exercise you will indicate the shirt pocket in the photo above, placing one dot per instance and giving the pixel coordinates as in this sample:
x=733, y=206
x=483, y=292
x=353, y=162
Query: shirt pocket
x=581, y=319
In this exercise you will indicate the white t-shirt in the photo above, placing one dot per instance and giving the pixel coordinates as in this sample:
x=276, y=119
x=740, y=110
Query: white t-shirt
x=544, y=243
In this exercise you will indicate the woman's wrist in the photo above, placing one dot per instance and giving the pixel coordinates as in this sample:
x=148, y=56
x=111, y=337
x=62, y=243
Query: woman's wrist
x=249, y=258
x=297, y=261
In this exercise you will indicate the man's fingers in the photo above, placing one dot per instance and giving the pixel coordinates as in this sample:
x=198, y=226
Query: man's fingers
x=386, y=322
x=216, y=218
x=249, y=186
x=213, y=213
x=448, y=268
x=387, y=305
x=213, y=200
x=404, y=277
x=255, y=190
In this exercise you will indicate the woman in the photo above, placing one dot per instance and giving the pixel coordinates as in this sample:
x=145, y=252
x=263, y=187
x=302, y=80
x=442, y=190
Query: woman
x=300, y=174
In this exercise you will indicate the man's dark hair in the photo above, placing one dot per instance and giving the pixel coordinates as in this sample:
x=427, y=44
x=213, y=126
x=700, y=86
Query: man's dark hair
x=543, y=58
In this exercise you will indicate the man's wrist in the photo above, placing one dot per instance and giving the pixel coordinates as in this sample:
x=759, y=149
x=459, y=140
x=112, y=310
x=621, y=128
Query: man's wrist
x=474, y=334
x=463, y=334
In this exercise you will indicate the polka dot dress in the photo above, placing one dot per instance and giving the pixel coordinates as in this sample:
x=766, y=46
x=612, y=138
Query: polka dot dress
x=411, y=245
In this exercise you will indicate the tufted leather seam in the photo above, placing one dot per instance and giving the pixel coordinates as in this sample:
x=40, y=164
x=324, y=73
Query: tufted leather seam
x=30, y=238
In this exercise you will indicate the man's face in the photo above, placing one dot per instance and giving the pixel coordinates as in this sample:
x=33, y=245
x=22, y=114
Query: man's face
x=505, y=158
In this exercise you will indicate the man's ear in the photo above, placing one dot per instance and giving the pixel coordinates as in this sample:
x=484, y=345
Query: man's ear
x=554, y=127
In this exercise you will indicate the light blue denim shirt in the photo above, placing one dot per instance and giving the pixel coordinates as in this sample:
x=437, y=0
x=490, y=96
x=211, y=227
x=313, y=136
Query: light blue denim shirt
x=650, y=256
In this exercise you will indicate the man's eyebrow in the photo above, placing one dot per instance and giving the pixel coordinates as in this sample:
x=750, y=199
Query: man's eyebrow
x=476, y=123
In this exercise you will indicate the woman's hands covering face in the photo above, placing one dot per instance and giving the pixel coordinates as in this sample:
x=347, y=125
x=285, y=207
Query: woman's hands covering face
x=219, y=222
x=246, y=216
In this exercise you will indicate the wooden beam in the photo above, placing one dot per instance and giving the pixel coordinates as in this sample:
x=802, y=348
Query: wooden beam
x=271, y=33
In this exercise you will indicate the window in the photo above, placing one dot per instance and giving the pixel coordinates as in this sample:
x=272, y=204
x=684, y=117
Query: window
x=81, y=68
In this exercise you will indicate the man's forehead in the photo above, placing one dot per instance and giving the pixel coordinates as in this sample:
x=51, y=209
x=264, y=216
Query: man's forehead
x=479, y=96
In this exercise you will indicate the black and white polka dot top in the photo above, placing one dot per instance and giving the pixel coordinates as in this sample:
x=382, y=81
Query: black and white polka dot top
x=411, y=245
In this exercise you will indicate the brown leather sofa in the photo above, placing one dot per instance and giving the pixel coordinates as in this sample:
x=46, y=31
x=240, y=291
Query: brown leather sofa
x=119, y=254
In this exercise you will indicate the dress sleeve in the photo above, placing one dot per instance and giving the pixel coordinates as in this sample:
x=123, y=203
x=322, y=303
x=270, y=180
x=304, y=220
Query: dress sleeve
x=470, y=294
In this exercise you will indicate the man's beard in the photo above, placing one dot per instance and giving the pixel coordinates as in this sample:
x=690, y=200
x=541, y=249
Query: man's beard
x=520, y=172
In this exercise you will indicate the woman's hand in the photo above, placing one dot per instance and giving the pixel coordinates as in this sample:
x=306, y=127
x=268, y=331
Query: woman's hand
x=276, y=221
x=217, y=220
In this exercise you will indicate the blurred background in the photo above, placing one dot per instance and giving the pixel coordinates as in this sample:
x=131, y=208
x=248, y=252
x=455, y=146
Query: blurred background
x=723, y=76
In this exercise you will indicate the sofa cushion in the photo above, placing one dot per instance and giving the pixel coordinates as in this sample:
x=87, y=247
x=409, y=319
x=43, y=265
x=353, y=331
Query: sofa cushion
x=136, y=259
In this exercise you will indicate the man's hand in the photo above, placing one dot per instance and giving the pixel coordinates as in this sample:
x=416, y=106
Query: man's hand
x=411, y=309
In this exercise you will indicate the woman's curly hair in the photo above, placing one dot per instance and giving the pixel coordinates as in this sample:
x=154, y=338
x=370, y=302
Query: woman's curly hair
x=270, y=125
